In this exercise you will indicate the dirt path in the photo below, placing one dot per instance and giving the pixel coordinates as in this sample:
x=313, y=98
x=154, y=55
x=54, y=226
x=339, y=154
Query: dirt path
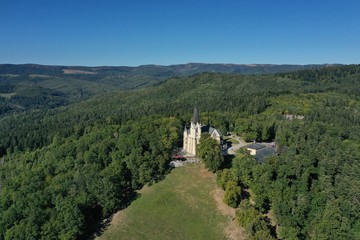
x=232, y=229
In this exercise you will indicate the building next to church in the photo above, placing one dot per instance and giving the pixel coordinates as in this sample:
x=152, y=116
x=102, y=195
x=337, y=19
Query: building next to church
x=192, y=135
x=260, y=151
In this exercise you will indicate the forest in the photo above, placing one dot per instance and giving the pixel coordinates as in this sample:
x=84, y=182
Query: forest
x=66, y=167
x=27, y=87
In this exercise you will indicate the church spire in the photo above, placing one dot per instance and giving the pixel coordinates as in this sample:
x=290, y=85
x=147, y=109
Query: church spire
x=209, y=123
x=196, y=118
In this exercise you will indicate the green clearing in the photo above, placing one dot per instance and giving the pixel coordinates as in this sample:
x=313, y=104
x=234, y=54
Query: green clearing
x=9, y=75
x=232, y=140
x=7, y=95
x=180, y=207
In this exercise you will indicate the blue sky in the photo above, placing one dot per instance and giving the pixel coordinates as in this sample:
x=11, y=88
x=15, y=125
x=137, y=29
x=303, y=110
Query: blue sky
x=136, y=32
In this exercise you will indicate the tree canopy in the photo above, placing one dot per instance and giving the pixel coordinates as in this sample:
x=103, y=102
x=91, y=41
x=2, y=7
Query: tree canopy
x=210, y=152
x=64, y=169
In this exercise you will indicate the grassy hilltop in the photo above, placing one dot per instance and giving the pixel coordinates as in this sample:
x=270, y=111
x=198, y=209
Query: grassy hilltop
x=180, y=207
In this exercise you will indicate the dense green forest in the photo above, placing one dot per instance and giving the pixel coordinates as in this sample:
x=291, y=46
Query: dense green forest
x=62, y=190
x=63, y=169
x=33, y=87
x=311, y=187
x=227, y=94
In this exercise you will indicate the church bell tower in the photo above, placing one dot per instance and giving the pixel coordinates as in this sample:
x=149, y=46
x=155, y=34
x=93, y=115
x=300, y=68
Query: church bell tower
x=192, y=136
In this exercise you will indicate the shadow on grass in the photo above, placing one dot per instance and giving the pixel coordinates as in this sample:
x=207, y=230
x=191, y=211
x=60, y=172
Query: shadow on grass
x=98, y=228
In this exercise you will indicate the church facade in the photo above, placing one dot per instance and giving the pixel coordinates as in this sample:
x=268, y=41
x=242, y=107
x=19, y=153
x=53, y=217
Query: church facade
x=192, y=135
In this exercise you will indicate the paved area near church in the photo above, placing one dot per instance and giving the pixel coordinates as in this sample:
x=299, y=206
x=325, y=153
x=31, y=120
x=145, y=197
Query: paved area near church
x=179, y=163
x=232, y=150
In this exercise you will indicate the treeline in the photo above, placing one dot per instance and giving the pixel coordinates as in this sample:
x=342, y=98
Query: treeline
x=342, y=79
x=327, y=74
x=61, y=191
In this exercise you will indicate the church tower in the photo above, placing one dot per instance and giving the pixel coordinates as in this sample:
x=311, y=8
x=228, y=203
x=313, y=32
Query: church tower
x=193, y=134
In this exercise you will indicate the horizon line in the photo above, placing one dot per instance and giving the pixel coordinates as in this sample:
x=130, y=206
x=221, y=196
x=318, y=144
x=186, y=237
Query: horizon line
x=188, y=63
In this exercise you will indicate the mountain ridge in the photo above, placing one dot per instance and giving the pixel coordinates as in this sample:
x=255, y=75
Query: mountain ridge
x=182, y=69
x=35, y=86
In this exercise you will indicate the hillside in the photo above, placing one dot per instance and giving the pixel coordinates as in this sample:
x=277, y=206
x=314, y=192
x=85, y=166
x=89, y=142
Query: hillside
x=175, y=97
x=63, y=170
x=150, y=70
x=31, y=86
x=185, y=205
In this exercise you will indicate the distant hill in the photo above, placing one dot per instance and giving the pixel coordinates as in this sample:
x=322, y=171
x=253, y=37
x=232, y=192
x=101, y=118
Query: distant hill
x=193, y=68
x=151, y=70
x=32, y=86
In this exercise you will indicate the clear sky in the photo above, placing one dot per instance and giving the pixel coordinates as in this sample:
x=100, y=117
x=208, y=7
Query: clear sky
x=136, y=32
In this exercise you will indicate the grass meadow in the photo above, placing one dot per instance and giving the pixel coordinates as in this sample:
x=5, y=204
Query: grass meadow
x=179, y=207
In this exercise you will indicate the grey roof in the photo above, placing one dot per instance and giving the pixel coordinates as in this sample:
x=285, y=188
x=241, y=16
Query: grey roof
x=263, y=153
x=210, y=130
x=255, y=146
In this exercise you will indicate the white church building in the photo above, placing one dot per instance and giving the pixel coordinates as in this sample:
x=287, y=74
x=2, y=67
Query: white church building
x=192, y=135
